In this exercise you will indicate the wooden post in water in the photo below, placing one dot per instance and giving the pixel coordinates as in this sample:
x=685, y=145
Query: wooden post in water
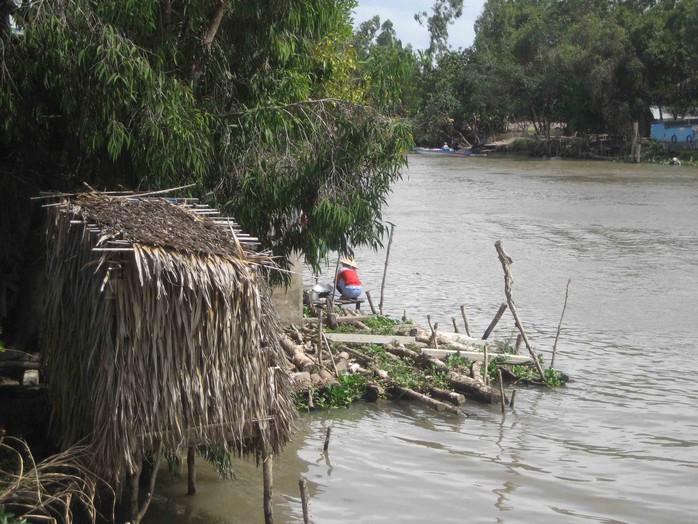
x=513, y=396
x=465, y=321
x=327, y=439
x=508, y=280
x=497, y=316
x=501, y=389
x=268, y=477
x=304, y=500
x=385, y=268
x=455, y=326
x=191, y=470
x=486, y=365
x=559, y=326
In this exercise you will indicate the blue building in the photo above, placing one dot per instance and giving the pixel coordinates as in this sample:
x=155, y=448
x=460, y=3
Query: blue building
x=676, y=134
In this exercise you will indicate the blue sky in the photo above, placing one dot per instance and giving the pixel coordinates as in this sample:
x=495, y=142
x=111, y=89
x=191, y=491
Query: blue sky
x=401, y=13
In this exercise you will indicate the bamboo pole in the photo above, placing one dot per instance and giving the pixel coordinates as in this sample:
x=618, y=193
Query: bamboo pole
x=191, y=470
x=465, y=321
x=508, y=280
x=385, y=268
x=304, y=500
x=495, y=320
x=559, y=326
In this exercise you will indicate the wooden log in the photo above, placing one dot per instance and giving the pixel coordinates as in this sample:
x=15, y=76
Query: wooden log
x=9, y=366
x=471, y=388
x=495, y=320
x=340, y=320
x=447, y=396
x=427, y=401
x=508, y=280
x=297, y=355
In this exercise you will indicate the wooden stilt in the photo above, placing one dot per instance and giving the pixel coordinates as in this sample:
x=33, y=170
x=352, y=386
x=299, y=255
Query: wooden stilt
x=268, y=474
x=191, y=470
x=455, y=326
x=304, y=500
x=513, y=396
x=486, y=365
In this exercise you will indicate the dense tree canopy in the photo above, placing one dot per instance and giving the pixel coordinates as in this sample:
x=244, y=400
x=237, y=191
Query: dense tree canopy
x=249, y=100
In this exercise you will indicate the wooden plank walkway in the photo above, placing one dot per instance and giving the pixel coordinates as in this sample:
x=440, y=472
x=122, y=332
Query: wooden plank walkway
x=360, y=338
x=477, y=356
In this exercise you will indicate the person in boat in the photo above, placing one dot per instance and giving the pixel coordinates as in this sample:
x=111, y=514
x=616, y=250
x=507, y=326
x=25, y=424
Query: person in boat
x=347, y=281
x=445, y=147
x=675, y=161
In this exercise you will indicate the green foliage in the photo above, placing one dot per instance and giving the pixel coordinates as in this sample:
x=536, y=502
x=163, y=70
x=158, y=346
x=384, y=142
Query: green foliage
x=350, y=389
x=383, y=325
x=268, y=122
x=9, y=518
x=220, y=457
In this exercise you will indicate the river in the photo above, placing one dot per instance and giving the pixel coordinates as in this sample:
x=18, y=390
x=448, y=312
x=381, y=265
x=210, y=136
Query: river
x=618, y=444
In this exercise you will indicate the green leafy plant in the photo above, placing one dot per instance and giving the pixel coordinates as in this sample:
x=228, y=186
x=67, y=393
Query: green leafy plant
x=9, y=518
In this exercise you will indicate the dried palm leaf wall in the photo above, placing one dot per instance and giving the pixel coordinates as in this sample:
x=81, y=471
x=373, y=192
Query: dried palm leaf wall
x=148, y=346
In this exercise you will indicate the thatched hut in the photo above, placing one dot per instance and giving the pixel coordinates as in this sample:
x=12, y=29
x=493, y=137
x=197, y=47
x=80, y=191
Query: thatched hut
x=158, y=332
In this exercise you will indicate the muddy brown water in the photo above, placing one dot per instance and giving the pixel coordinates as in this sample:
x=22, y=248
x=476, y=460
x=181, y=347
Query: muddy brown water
x=618, y=444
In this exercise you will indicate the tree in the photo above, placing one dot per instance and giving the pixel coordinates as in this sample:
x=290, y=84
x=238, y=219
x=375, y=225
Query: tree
x=155, y=94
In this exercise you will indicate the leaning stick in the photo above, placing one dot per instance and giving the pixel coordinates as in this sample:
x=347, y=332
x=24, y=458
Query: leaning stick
x=385, y=268
x=465, y=321
x=559, y=326
x=508, y=280
x=455, y=326
x=370, y=302
x=495, y=320
x=327, y=439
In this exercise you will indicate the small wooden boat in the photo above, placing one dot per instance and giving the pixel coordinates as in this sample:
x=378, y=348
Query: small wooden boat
x=440, y=151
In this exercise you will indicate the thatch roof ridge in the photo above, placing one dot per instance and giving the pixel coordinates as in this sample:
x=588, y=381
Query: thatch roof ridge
x=155, y=222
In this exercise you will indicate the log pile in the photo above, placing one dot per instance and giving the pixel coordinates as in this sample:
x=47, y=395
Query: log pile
x=315, y=363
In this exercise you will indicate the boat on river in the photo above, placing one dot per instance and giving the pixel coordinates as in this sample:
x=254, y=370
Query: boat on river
x=440, y=151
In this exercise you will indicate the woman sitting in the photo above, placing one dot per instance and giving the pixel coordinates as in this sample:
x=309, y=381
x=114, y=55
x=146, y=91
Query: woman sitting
x=347, y=281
